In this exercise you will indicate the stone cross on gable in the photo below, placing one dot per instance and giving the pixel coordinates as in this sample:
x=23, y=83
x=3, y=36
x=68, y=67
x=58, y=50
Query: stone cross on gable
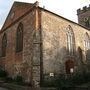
x=36, y=3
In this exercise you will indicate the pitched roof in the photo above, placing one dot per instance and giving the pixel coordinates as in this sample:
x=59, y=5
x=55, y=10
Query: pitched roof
x=64, y=18
x=21, y=8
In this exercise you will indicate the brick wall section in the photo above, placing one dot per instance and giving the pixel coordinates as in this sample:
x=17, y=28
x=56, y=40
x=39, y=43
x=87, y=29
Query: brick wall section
x=18, y=8
x=27, y=62
x=20, y=63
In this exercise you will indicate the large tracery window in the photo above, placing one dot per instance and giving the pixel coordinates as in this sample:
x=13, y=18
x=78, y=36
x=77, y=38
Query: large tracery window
x=87, y=46
x=70, y=40
x=87, y=41
x=19, y=38
x=4, y=45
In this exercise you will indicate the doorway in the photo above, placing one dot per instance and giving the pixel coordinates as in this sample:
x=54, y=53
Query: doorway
x=69, y=65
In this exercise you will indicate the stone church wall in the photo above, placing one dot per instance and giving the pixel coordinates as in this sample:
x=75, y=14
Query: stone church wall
x=19, y=63
x=45, y=49
x=55, y=44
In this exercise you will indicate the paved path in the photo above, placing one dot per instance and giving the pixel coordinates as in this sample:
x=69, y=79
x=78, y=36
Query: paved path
x=3, y=88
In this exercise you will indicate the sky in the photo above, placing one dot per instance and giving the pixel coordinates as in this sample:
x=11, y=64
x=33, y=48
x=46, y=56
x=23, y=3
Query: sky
x=65, y=8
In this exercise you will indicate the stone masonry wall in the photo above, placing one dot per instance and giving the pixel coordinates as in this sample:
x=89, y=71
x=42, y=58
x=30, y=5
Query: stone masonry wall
x=82, y=16
x=27, y=62
x=19, y=63
x=55, y=43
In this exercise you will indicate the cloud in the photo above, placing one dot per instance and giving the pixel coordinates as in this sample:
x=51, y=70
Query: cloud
x=62, y=7
x=85, y=1
x=5, y=6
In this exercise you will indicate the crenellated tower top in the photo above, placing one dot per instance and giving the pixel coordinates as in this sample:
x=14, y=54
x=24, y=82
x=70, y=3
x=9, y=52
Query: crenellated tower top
x=84, y=16
x=83, y=10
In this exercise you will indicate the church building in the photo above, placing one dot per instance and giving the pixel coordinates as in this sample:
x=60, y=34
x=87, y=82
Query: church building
x=38, y=44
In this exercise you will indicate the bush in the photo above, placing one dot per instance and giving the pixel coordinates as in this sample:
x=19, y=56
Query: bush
x=81, y=78
x=54, y=82
x=9, y=79
x=3, y=73
x=87, y=77
x=49, y=83
x=72, y=80
x=18, y=80
x=77, y=79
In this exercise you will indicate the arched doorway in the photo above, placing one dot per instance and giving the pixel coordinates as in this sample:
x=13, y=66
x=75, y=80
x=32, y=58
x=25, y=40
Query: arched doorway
x=69, y=65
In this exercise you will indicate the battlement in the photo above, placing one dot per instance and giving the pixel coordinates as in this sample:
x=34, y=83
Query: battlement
x=83, y=10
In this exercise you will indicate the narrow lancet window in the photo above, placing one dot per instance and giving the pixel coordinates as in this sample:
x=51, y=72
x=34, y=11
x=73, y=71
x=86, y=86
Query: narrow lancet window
x=19, y=38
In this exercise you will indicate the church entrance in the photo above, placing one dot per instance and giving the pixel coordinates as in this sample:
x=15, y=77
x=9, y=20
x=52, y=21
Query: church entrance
x=69, y=65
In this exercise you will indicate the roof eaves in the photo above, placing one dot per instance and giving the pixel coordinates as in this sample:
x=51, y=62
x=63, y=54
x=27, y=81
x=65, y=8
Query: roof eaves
x=63, y=18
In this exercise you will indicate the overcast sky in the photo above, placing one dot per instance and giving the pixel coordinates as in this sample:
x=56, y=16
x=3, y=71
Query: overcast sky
x=65, y=8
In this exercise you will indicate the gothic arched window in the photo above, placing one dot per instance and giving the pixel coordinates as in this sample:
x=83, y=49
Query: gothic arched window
x=87, y=46
x=19, y=38
x=4, y=45
x=86, y=41
x=70, y=40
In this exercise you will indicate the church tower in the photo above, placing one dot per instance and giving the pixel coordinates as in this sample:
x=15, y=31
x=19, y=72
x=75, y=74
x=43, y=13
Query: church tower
x=84, y=16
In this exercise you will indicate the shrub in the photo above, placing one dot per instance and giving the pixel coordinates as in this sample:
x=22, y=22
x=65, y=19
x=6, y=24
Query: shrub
x=72, y=80
x=19, y=80
x=77, y=79
x=3, y=73
x=87, y=77
x=49, y=83
x=9, y=79
x=54, y=82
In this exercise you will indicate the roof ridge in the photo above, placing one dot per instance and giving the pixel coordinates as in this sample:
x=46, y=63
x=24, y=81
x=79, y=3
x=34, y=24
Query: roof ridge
x=64, y=18
x=22, y=2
